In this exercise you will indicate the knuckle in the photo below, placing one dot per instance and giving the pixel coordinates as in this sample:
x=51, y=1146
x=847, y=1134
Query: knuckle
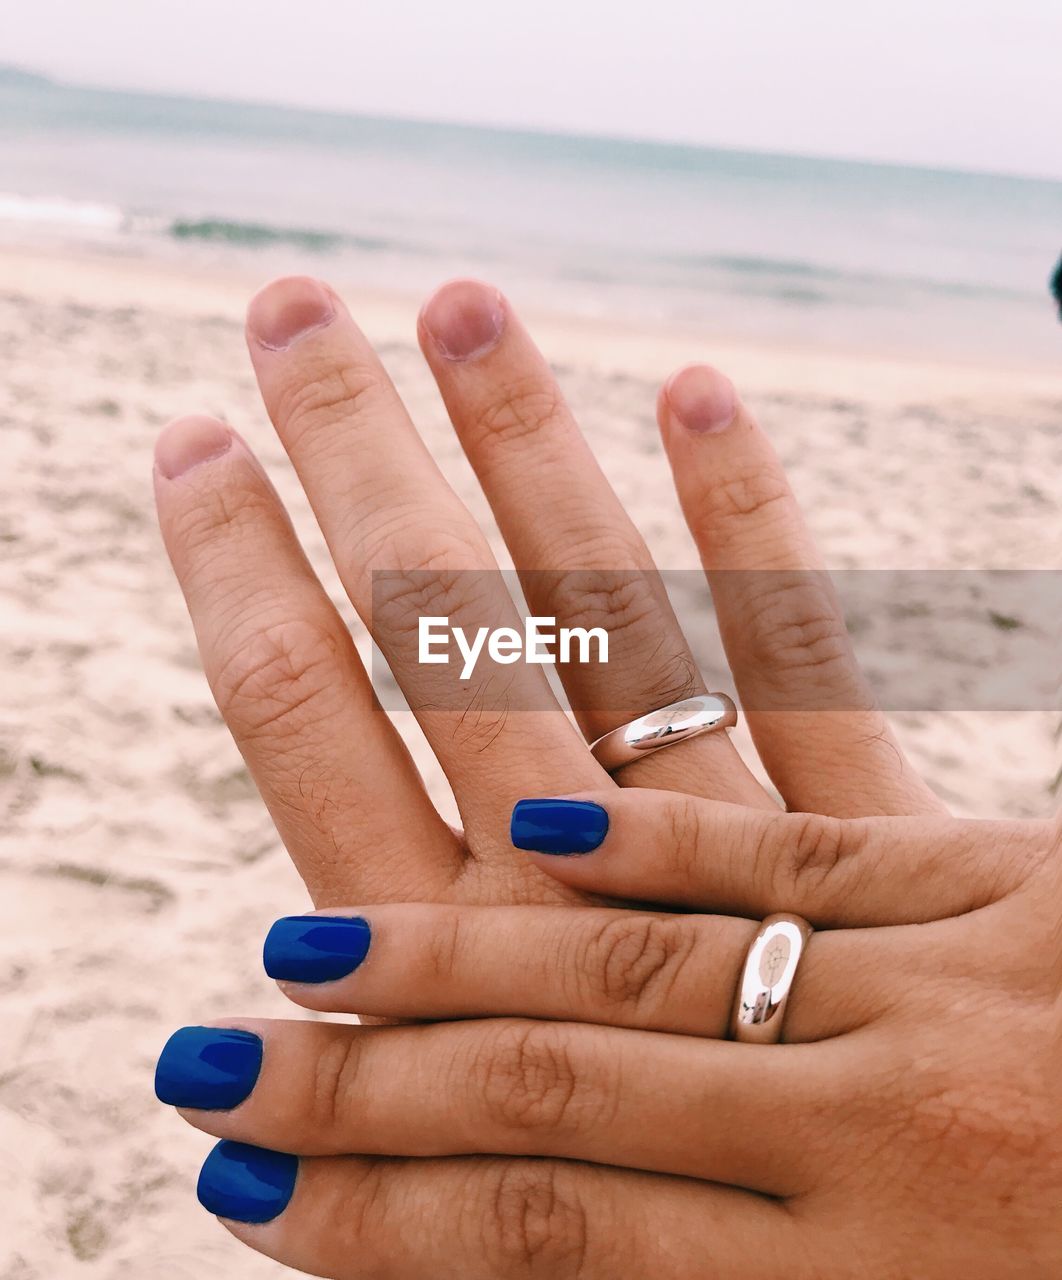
x=537, y=1223
x=219, y=517
x=589, y=553
x=634, y=962
x=276, y=680
x=332, y=1084
x=361, y=1206
x=751, y=495
x=311, y=405
x=436, y=580
x=615, y=598
x=444, y=946
x=794, y=627
x=683, y=834
x=523, y=408
x=524, y=1075
x=805, y=850
x=625, y=603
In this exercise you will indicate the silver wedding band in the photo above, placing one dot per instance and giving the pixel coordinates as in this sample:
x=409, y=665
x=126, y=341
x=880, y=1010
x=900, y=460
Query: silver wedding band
x=674, y=723
x=767, y=979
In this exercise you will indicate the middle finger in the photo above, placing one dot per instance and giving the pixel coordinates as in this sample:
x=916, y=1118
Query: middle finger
x=383, y=505
x=516, y=1087
x=638, y=969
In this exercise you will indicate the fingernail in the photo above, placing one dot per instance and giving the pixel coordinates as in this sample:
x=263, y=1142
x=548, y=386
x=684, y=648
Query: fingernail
x=286, y=310
x=209, y=1068
x=315, y=948
x=187, y=442
x=701, y=399
x=558, y=826
x=246, y=1184
x=464, y=319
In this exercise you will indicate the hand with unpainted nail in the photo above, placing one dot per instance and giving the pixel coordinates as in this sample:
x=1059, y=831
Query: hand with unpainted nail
x=332, y=769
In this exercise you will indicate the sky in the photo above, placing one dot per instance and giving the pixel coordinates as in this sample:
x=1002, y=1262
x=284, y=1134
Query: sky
x=954, y=83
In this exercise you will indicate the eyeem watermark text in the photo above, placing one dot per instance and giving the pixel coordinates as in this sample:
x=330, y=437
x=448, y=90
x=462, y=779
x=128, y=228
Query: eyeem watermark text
x=966, y=640
x=540, y=643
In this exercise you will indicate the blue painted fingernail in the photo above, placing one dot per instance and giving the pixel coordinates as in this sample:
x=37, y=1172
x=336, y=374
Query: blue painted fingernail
x=246, y=1184
x=210, y=1068
x=558, y=826
x=315, y=948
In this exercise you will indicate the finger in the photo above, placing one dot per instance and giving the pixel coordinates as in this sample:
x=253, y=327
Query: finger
x=283, y=668
x=661, y=847
x=494, y=1219
x=817, y=728
x=580, y=558
x=383, y=506
x=646, y=971
x=512, y=1087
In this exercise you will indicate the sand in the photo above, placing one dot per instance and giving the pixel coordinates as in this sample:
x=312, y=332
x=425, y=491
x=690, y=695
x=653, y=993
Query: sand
x=138, y=869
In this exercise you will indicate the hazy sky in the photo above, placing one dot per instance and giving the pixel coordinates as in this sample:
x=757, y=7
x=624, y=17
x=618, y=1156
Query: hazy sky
x=969, y=83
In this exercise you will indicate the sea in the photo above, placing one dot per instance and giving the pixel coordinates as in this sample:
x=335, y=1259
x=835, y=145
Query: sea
x=740, y=245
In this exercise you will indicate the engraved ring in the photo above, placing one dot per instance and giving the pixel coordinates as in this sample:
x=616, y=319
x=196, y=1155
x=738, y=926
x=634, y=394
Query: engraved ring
x=673, y=723
x=767, y=979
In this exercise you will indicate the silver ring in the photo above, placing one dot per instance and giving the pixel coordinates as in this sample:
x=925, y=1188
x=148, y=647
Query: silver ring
x=674, y=723
x=767, y=979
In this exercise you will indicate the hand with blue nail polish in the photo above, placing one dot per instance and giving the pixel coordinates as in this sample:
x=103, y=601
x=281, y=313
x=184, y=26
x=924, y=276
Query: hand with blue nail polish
x=564, y=1105
x=578, y=1060
x=558, y=826
x=208, y=1068
x=315, y=948
x=246, y=1184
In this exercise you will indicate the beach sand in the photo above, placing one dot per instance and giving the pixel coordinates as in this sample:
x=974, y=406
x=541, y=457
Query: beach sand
x=138, y=869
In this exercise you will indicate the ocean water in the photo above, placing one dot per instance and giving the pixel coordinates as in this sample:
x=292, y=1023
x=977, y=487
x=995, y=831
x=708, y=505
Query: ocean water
x=739, y=245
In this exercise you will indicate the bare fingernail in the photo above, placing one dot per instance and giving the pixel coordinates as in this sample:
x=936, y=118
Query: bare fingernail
x=464, y=319
x=188, y=442
x=701, y=399
x=286, y=310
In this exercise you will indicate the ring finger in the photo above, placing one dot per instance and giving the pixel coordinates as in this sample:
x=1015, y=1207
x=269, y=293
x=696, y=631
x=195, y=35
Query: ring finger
x=579, y=556
x=641, y=970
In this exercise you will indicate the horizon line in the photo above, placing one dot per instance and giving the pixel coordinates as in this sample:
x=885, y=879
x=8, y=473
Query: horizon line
x=528, y=130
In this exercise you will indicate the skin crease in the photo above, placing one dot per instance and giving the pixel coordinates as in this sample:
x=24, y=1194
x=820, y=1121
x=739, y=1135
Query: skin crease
x=912, y=1126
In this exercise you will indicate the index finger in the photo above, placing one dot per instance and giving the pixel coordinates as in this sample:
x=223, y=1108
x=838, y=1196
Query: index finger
x=579, y=555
